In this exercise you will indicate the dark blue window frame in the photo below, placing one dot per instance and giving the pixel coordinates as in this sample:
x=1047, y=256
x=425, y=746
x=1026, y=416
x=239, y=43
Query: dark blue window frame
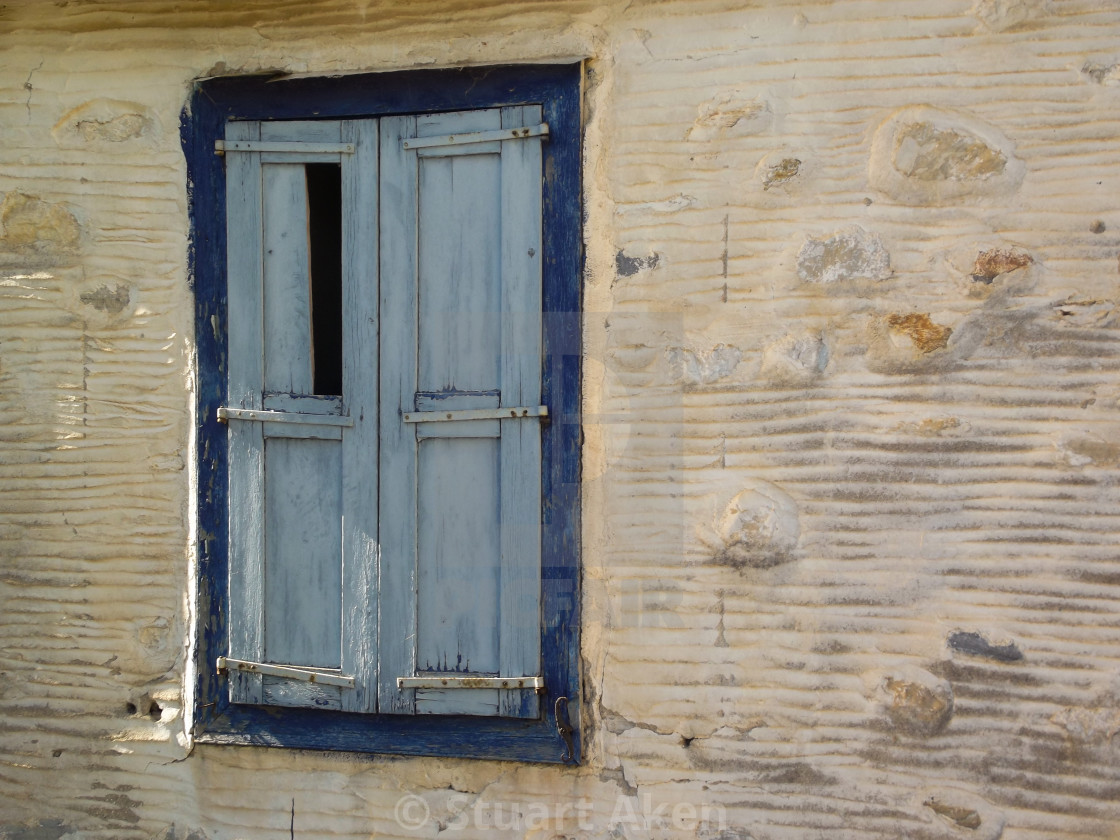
x=215, y=101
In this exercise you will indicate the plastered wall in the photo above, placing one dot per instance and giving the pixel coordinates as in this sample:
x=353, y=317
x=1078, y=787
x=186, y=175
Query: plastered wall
x=851, y=387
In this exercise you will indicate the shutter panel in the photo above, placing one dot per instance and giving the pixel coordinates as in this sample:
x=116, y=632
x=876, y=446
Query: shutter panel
x=245, y=389
x=461, y=310
x=288, y=484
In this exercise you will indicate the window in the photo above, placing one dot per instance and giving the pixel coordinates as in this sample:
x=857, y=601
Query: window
x=386, y=271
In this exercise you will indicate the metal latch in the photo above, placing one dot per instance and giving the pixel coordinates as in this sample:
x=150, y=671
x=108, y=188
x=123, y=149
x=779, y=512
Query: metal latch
x=514, y=412
x=565, y=729
x=226, y=663
x=476, y=137
x=470, y=682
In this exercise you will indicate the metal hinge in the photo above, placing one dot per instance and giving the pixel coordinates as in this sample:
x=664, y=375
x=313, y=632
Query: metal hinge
x=476, y=137
x=221, y=147
x=226, y=414
x=290, y=672
x=514, y=412
x=470, y=682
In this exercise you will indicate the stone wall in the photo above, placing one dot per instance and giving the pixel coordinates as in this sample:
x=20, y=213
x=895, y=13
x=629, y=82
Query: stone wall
x=851, y=387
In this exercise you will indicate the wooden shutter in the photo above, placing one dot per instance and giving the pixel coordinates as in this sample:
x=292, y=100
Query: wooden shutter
x=461, y=329
x=302, y=497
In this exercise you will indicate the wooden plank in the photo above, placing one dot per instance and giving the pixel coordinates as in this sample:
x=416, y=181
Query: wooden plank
x=303, y=570
x=287, y=280
x=459, y=348
x=303, y=403
x=459, y=262
x=468, y=429
x=281, y=692
x=397, y=578
x=431, y=701
x=301, y=131
x=459, y=399
x=244, y=384
x=521, y=385
x=309, y=132
x=291, y=431
x=360, y=368
x=458, y=554
x=494, y=148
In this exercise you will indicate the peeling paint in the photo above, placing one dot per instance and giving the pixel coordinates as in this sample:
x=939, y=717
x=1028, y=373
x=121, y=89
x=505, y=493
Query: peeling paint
x=627, y=266
x=935, y=426
x=927, y=153
x=975, y=644
x=907, y=343
x=39, y=830
x=730, y=114
x=107, y=121
x=926, y=335
x=959, y=815
x=1011, y=15
x=115, y=130
x=923, y=155
x=112, y=301
x=33, y=225
x=759, y=528
x=1077, y=311
x=702, y=367
x=992, y=263
x=1094, y=726
x=795, y=358
x=845, y=256
x=1102, y=74
x=1085, y=451
x=781, y=173
x=919, y=709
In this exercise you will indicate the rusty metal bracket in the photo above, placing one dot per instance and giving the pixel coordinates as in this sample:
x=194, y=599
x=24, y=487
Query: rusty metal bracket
x=564, y=727
x=323, y=677
x=470, y=682
x=226, y=413
x=507, y=413
x=291, y=147
x=476, y=137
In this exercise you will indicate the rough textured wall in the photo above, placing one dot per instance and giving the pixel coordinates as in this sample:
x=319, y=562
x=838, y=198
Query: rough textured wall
x=851, y=387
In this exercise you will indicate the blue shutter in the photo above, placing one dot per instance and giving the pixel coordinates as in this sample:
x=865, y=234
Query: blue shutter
x=461, y=330
x=245, y=386
x=301, y=588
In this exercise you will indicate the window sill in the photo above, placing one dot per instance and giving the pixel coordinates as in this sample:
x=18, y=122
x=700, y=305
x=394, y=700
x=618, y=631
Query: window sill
x=501, y=739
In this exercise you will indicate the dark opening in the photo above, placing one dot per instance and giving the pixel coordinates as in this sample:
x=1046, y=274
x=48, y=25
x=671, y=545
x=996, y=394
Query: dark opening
x=324, y=234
